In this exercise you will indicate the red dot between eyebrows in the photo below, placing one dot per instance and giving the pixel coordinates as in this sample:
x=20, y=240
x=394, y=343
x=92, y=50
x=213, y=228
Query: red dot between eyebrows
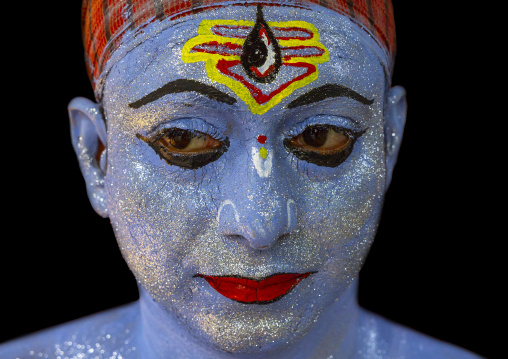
x=261, y=139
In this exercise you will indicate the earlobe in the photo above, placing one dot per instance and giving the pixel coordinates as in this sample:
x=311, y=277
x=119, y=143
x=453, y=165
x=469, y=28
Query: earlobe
x=88, y=135
x=394, y=121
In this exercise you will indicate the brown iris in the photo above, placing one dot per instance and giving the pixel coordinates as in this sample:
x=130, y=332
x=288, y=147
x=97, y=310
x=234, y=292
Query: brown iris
x=322, y=139
x=185, y=141
x=323, y=145
x=185, y=148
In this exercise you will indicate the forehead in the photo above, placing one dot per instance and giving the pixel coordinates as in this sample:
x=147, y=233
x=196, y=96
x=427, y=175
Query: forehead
x=346, y=55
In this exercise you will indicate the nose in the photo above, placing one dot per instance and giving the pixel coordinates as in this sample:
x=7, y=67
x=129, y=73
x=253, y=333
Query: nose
x=261, y=220
x=258, y=209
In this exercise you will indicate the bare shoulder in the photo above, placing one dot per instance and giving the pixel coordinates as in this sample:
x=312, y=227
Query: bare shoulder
x=108, y=334
x=384, y=338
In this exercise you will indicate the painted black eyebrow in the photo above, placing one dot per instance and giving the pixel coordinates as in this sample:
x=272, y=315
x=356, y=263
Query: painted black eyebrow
x=326, y=91
x=184, y=85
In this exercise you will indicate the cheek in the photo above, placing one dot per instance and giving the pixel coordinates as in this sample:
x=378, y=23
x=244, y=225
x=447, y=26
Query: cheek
x=344, y=211
x=151, y=213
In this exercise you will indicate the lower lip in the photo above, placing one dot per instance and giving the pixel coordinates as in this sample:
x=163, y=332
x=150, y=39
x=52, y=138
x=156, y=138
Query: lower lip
x=250, y=291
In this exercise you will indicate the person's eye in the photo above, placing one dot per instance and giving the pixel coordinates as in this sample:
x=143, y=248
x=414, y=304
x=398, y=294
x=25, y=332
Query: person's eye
x=186, y=148
x=323, y=145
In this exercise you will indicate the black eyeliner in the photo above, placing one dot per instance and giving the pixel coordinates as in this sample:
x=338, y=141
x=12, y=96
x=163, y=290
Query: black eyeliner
x=331, y=160
x=191, y=161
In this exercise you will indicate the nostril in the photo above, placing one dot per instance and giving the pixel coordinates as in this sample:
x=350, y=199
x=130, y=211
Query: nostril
x=236, y=238
x=283, y=236
x=244, y=241
x=271, y=244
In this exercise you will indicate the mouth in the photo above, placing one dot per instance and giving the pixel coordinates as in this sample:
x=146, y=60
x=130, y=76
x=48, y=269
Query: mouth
x=252, y=291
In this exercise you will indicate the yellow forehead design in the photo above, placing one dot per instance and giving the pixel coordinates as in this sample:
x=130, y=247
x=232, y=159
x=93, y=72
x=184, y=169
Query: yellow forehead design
x=294, y=44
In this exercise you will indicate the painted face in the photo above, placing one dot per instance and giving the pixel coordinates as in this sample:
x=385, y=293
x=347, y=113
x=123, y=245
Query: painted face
x=246, y=168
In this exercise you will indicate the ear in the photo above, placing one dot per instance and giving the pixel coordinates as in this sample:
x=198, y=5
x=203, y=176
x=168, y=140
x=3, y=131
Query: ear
x=394, y=121
x=88, y=134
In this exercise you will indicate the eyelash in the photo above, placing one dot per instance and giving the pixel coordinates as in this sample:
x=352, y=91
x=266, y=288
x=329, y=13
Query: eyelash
x=343, y=125
x=160, y=142
x=330, y=159
x=296, y=143
x=325, y=120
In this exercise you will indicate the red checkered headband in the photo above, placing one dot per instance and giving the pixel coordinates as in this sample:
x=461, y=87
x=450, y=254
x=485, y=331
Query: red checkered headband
x=108, y=25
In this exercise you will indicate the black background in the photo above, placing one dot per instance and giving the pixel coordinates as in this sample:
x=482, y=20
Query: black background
x=435, y=265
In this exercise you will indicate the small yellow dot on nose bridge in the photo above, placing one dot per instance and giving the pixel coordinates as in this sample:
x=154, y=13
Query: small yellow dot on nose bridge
x=263, y=152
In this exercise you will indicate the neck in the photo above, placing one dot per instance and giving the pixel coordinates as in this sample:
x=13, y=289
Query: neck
x=163, y=336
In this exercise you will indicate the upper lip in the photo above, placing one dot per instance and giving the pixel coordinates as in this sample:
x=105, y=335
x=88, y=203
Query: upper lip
x=255, y=291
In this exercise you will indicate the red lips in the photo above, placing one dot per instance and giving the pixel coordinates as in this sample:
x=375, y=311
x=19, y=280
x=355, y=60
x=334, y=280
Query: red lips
x=252, y=291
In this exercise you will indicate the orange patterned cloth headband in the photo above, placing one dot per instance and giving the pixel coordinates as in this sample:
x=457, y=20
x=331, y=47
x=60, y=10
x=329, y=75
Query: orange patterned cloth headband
x=105, y=23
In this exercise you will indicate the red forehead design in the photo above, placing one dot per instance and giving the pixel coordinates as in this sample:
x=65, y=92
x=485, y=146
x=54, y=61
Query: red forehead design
x=106, y=22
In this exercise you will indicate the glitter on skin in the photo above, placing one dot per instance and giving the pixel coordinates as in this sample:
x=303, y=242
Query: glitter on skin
x=172, y=223
x=182, y=205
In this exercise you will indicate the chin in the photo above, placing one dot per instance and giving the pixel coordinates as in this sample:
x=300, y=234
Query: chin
x=257, y=334
x=238, y=328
